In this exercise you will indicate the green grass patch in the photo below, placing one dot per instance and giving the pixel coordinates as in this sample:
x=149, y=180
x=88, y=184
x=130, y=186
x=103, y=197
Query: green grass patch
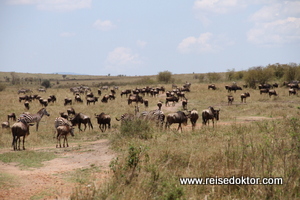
x=27, y=159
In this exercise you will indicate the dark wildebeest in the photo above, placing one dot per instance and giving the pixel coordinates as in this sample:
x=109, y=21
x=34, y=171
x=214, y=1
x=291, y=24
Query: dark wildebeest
x=135, y=98
x=208, y=114
x=105, y=98
x=11, y=116
x=91, y=100
x=146, y=103
x=99, y=92
x=81, y=119
x=176, y=118
x=103, y=120
x=265, y=90
x=64, y=131
x=5, y=124
x=194, y=117
x=20, y=129
x=230, y=99
x=68, y=101
x=71, y=111
x=78, y=98
x=64, y=115
x=272, y=92
x=265, y=86
x=26, y=104
x=244, y=96
x=212, y=86
x=232, y=87
x=184, y=104
x=171, y=99
x=159, y=104
x=292, y=91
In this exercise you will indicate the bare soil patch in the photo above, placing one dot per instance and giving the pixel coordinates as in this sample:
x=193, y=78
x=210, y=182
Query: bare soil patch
x=49, y=181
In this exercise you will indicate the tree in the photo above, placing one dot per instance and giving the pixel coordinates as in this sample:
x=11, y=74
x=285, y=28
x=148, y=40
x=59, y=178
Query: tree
x=259, y=75
x=46, y=83
x=164, y=76
x=64, y=76
x=213, y=76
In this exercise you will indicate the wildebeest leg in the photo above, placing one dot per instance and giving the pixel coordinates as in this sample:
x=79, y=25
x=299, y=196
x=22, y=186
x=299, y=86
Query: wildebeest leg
x=37, y=126
x=79, y=124
x=66, y=140
x=18, y=139
x=179, y=126
x=24, y=142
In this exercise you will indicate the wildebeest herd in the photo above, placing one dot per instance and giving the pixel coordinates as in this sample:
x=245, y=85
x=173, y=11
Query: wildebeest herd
x=66, y=122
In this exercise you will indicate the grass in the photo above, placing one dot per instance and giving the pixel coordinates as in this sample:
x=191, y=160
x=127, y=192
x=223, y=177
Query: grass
x=150, y=161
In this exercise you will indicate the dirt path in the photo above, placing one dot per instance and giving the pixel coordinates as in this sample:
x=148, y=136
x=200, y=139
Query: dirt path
x=49, y=182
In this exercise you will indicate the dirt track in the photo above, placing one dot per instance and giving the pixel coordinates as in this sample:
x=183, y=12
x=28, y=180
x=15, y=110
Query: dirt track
x=50, y=179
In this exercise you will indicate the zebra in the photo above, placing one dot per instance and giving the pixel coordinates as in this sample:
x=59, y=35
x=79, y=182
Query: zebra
x=32, y=118
x=60, y=121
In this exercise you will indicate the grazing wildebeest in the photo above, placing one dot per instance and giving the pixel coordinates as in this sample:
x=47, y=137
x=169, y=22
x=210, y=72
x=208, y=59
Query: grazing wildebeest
x=78, y=99
x=292, y=91
x=52, y=98
x=71, y=111
x=176, y=118
x=212, y=86
x=208, y=114
x=159, y=104
x=41, y=90
x=20, y=129
x=68, y=101
x=146, y=103
x=171, y=99
x=275, y=85
x=232, y=87
x=126, y=92
x=272, y=92
x=91, y=99
x=11, y=116
x=184, y=104
x=81, y=119
x=103, y=120
x=265, y=86
x=64, y=131
x=265, y=90
x=26, y=104
x=34, y=118
x=99, y=92
x=64, y=115
x=105, y=98
x=90, y=94
x=230, y=99
x=244, y=96
x=5, y=124
x=135, y=98
x=194, y=117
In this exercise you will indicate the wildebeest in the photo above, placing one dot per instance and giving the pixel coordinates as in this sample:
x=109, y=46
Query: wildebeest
x=159, y=104
x=194, y=117
x=176, y=118
x=26, y=104
x=64, y=131
x=105, y=98
x=71, y=111
x=68, y=101
x=171, y=99
x=11, y=116
x=20, y=129
x=64, y=115
x=292, y=91
x=208, y=114
x=5, y=124
x=265, y=90
x=91, y=100
x=135, y=98
x=146, y=103
x=79, y=119
x=41, y=90
x=184, y=104
x=232, y=87
x=212, y=86
x=103, y=120
x=272, y=92
x=230, y=99
x=78, y=99
x=126, y=92
x=244, y=96
x=265, y=86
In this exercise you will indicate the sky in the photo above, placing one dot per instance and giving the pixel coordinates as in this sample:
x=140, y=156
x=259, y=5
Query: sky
x=140, y=37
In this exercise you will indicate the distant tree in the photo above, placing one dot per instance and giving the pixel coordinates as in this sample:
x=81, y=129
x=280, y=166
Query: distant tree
x=46, y=83
x=230, y=74
x=165, y=77
x=258, y=75
x=15, y=78
x=64, y=76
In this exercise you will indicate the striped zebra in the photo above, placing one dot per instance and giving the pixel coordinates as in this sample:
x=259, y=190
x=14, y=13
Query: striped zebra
x=34, y=118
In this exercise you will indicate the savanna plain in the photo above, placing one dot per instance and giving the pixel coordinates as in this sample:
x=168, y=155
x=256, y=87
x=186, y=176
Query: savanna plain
x=138, y=160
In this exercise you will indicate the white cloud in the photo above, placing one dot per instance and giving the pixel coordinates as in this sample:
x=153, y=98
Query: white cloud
x=206, y=42
x=122, y=59
x=54, y=5
x=216, y=6
x=103, y=25
x=67, y=34
x=276, y=24
x=141, y=43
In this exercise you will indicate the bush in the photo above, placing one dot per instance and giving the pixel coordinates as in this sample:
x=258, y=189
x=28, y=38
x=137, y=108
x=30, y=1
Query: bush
x=2, y=87
x=46, y=83
x=165, y=77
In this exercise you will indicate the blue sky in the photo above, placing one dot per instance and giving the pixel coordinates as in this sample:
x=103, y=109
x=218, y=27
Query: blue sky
x=147, y=37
